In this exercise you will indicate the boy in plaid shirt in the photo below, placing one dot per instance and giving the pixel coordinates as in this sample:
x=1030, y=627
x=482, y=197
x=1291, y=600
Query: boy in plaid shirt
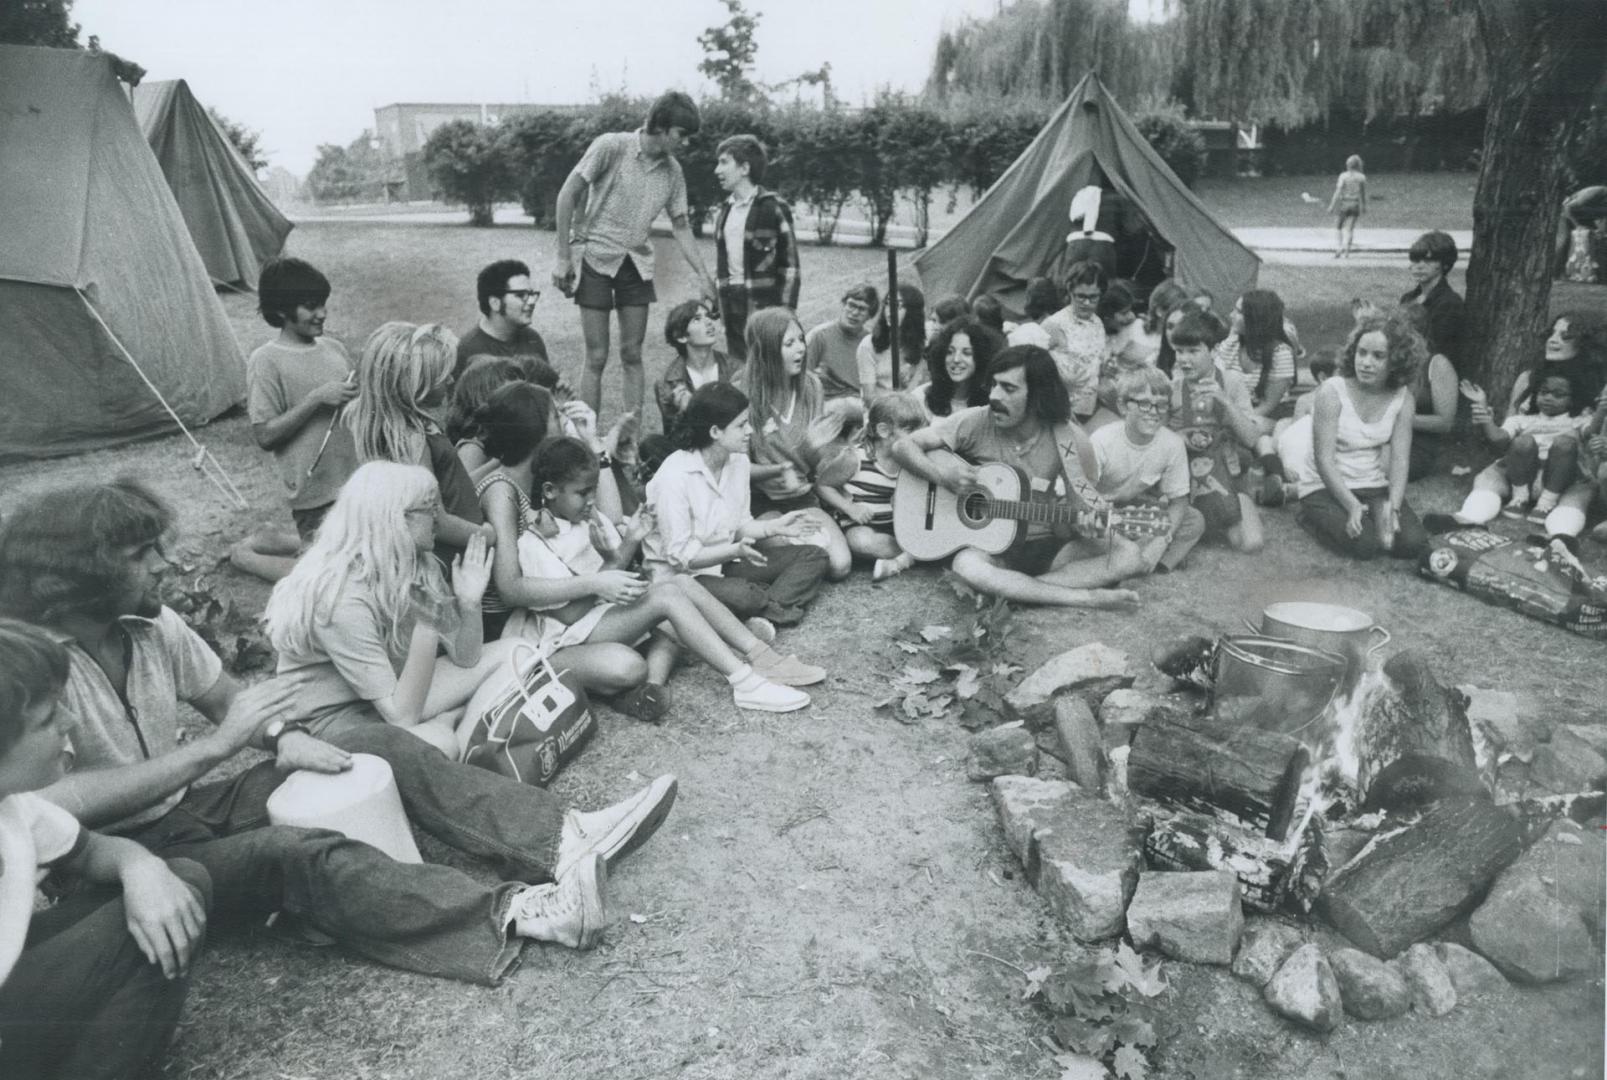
x=756, y=254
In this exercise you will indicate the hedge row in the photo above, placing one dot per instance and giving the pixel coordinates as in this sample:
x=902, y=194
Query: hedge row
x=820, y=159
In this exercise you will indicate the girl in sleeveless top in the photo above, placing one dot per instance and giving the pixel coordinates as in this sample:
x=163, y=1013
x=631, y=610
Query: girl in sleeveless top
x=1353, y=491
x=1349, y=202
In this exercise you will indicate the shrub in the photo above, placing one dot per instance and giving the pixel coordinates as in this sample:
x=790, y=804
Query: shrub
x=470, y=165
x=1180, y=146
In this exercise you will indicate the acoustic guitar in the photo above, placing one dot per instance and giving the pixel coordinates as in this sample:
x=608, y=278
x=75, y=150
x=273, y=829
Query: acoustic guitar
x=931, y=522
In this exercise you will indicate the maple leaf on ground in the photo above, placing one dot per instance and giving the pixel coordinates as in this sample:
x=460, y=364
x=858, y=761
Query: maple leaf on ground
x=916, y=705
x=966, y=683
x=1131, y=971
x=919, y=676
x=1035, y=981
x=1135, y=1032
x=1082, y=1036
x=1130, y=1064
x=1080, y=1067
x=935, y=633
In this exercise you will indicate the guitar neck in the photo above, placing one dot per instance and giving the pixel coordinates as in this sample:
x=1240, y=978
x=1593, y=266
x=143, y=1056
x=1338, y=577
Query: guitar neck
x=1039, y=513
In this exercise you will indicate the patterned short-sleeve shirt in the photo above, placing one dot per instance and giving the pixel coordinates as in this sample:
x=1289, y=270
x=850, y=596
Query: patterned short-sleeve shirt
x=626, y=191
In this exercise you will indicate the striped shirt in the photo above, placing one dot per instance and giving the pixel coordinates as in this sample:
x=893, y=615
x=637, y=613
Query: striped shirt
x=1231, y=355
x=871, y=486
x=626, y=190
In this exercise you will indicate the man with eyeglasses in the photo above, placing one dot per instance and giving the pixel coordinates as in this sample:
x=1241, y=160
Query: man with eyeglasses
x=831, y=350
x=507, y=303
x=1143, y=461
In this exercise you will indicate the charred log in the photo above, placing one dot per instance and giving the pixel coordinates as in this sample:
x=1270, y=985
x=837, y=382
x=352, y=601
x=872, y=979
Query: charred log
x=1252, y=773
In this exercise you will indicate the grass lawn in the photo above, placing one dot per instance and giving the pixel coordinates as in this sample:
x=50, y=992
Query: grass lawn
x=1421, y=201
x=829, y=893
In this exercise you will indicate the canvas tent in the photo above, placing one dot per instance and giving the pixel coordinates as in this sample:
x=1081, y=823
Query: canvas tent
x=95, y=259
x=234, y=224
x=1017, y=231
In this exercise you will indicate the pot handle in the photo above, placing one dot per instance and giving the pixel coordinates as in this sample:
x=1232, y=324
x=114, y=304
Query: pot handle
x=1383, y=640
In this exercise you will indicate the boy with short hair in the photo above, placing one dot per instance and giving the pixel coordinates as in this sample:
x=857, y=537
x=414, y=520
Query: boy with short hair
x=296, y=387
x=692, y=331
x=93, y=986
x=831, y=349
x=756, y=254
x=1143, y=461
x=1431, y=257
x=507, y=299
x=1211, y=411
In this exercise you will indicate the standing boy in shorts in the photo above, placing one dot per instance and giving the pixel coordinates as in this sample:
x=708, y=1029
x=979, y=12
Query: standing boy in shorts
x=296, y=387
x=628, y=178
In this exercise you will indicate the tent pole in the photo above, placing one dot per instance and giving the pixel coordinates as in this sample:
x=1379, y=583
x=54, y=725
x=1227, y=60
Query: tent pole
x=202, y=454
x=892, y=311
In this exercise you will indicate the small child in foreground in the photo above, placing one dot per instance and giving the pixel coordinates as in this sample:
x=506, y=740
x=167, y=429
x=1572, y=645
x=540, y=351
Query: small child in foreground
x=862, y=502
x=93, y=986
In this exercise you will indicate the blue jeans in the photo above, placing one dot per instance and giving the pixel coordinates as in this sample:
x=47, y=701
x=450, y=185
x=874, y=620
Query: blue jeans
x=82, y=1001
x=433, y=920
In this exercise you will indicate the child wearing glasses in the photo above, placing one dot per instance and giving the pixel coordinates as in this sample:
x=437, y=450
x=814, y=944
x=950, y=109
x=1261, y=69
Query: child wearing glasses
x=1141, y=460
x=297, y=387
x=1077, y=336
x=831, y=349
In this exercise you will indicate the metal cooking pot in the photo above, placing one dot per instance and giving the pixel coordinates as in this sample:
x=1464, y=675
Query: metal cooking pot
x=1273, y=684
x=1329, y=627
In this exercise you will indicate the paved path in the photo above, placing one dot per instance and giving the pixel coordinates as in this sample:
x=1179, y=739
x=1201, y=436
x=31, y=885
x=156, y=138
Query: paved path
x=1297, y=246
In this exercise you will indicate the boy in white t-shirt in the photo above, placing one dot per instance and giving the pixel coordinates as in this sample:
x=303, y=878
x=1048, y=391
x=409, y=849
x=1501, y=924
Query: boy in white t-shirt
x=96, y=988
x=1141, y=460
x=297, y=386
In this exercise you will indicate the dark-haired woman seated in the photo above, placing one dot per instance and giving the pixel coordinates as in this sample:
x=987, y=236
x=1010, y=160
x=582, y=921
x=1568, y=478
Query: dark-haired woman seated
x=958, y=361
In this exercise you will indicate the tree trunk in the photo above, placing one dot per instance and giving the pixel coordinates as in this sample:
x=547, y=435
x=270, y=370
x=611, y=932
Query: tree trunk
x=1252, y=773
x=1546, y=70
x=1411, y=881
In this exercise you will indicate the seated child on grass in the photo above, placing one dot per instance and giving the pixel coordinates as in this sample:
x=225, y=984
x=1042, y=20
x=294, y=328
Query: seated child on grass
x=297, y=386
x=1211, y=410
x=1142, y=461
x=570, y=585
x=863, y=501
x=481, y=377
x=1533, y=446
x=93, y=986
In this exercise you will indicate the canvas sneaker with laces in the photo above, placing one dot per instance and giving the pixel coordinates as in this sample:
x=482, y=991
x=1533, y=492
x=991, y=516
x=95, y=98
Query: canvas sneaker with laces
x=569, y=911
x=750, y=690
x=614, y=830
x=786, y=670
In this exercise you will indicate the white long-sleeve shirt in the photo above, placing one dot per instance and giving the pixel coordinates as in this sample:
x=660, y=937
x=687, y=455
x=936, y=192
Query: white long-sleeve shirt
x=696, y=509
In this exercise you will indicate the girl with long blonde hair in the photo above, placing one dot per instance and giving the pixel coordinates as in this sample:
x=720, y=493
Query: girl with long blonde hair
x=792, y=430
x=367, y=606
x=404, y=373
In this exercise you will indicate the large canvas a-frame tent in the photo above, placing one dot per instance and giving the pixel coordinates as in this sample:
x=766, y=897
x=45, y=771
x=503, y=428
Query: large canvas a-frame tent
x=1017, y=231
x=106, y=310
x=234, y=224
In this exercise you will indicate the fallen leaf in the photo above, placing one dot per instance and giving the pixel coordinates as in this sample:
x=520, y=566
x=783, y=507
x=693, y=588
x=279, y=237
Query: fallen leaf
x=916, y=706
x=638, y=919
x=1130, y=1064
x=920, y=676
x=965, y=685
x=936, y=633
x=910, y=647
x=1035, y=980
x=1146, y=980
x=1135, y=1032
x=1080, y=1067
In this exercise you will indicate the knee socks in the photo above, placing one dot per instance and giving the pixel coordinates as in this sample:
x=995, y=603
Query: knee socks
x=1479, y=507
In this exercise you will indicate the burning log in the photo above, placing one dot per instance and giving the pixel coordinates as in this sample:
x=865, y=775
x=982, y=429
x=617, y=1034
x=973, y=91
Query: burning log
x=1412, y=880
x=1273, y=876
x=1249, y=772
x=1411, y=738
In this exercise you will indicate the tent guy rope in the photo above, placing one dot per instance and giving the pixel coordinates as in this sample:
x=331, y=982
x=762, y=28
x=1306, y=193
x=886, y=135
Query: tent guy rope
x=219, y=476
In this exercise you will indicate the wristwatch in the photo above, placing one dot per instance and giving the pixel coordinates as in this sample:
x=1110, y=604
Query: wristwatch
x=277, y=729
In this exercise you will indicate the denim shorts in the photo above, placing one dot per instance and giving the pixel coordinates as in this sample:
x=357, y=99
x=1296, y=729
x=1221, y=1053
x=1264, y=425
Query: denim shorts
x=625, y=289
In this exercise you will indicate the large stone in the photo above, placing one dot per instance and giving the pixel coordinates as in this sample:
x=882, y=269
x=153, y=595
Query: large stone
x=1263, y=947
x=1306, y=990
x=1471, y=974
x=1188, y=915
x=1433, y=992
x=1078, y=734
x=1007, y=750
x=1536, y=924
x=1567, y=763
x=1372, y=988
x=1124, y=711
x=1081, y=853
x=1508, y=722
x=1091, y=671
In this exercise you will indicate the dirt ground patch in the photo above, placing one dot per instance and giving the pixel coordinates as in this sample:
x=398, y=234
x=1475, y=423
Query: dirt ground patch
x=830, y=894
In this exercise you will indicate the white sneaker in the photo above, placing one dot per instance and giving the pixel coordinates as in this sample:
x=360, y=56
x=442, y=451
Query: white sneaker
x=754, y=691
x=569, y=911
x=614, y=830
x=763, y=629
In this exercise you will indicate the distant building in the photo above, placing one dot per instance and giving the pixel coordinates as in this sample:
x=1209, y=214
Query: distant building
x=1230, y=149
x=403, y=129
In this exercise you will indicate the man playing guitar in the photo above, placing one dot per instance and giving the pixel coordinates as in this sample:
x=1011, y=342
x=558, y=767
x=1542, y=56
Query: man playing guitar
x=1027, y=405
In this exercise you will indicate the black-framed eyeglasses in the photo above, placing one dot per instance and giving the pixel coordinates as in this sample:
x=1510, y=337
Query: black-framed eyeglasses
x=524, y=294
x=1149, y=405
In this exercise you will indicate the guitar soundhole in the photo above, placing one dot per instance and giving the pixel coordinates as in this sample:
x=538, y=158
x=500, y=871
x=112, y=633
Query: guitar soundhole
x=973, y=509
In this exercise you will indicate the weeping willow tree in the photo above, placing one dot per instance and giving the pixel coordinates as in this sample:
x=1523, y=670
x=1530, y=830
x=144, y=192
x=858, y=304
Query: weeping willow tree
x=1037, y=50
